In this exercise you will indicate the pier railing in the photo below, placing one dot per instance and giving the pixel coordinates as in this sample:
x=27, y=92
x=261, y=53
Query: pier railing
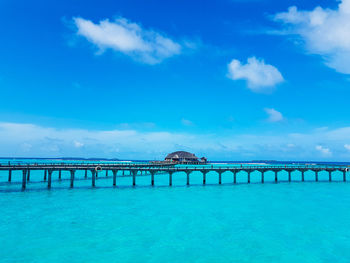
x=150, y=169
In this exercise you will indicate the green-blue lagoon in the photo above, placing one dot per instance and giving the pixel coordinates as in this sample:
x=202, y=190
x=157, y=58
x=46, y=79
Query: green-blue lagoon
x=284, y=222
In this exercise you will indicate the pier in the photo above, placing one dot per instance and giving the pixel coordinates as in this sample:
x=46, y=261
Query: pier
x=93, y=171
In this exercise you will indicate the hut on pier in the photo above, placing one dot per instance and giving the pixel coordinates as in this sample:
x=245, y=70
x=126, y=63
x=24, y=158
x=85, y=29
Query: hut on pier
x=182, y=157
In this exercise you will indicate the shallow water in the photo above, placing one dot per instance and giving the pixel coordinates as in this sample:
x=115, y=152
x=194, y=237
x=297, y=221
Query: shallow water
x=285, y=222
x=305, y=222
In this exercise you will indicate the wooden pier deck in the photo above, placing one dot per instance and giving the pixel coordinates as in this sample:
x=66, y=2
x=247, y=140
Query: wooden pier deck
x=134, y=170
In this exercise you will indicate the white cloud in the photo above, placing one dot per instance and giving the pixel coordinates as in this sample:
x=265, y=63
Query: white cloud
x=186, y=122
x=28, y=140
x=47, y=141
x=129, y=38
x=274, y=115
x=259, y=76
x=347, y=146
x=26, y=147
x=324, y=150
x=78, y=144
x=326, y=32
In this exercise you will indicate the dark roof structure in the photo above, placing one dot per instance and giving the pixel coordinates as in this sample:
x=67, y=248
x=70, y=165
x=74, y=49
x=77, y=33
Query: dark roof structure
x=181, y=155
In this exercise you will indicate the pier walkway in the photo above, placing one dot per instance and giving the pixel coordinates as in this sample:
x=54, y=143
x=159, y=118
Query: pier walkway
x=93, y=170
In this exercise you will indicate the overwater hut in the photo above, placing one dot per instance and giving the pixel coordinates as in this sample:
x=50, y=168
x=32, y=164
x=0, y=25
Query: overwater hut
x=183, y=157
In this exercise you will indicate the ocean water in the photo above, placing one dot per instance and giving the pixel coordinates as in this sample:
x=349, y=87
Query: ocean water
x=284, y=222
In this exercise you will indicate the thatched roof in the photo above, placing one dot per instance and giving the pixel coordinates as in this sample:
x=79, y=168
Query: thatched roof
x=181, y=155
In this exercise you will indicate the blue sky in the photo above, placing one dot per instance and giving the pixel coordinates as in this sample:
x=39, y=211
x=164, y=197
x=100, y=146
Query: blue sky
x=229, y=79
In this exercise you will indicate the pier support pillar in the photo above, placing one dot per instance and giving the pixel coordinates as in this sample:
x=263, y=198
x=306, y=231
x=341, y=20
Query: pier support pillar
x=106, y=173
x=24, y=179
x=115, y=177
x=289, y=176
x=276, y=177
x=316, y=176
x=123, y=172
x=249, y=177
x=234, y=177
x=204, y=177
x=133, y=177
x=49, y=179
x=220, y=173
x=85, y=174
x=72, y=172
x=59, y=174
x=262, y=177
x=188, y=178
x=28, y=175
x=344, y=176
x=10, y=175
x=170, y=178
x=152, y=177
x=330, y=176
x=45, y=175
x=302, y=176
x=93, y=178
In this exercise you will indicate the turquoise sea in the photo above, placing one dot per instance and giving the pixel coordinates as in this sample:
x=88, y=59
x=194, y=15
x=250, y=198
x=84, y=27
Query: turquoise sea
x=284, y=222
